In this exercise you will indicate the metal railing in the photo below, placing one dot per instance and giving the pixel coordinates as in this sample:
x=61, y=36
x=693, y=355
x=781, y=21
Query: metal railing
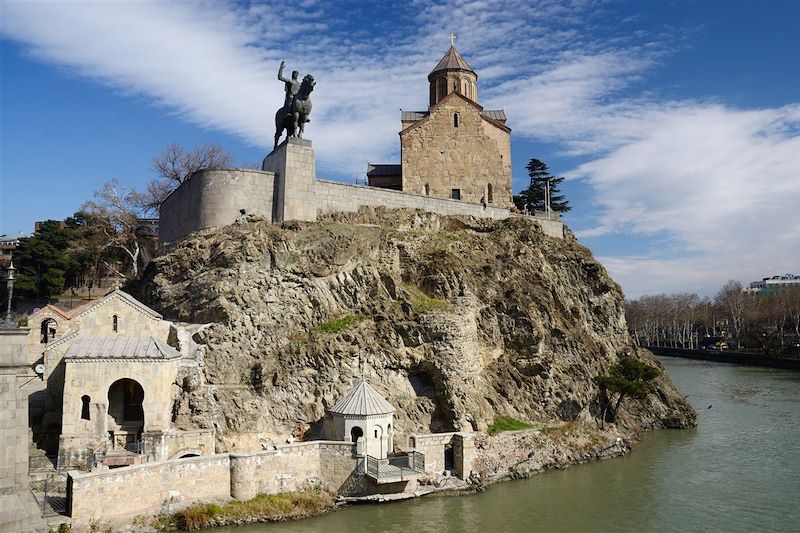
x=400, y=467
x=134, y=447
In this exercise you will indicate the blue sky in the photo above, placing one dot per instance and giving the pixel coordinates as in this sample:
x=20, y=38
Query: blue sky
x=676, y=123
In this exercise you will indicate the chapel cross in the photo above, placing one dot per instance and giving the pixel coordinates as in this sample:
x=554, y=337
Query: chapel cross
x=452, y=39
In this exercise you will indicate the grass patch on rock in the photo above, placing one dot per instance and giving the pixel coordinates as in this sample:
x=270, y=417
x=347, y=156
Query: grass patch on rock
x=262, y=508
x=422, y=303
x=507, y=423
x=338, y=324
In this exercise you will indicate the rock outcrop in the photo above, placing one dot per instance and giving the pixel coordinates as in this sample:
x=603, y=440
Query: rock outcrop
x=454, y=320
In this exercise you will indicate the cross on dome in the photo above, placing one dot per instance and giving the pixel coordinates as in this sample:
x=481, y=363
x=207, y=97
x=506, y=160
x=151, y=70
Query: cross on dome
x=452, y=39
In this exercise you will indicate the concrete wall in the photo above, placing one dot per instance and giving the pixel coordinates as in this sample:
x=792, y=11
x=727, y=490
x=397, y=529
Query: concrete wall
x=334, y=197
x=140, y=489
x=214, y=198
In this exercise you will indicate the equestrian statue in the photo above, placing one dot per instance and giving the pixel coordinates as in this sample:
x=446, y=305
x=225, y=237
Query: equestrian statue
x=293, y=116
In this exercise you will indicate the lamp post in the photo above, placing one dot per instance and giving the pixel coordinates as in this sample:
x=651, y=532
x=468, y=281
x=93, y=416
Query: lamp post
x=9, y=323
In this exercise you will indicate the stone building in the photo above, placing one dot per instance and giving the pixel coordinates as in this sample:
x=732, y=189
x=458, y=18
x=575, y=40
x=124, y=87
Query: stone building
x=364, y=417
x=455, y=149
x=109, y=383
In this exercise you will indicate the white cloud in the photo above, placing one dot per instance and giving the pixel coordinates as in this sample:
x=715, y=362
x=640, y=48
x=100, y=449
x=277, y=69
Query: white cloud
x=721, y=182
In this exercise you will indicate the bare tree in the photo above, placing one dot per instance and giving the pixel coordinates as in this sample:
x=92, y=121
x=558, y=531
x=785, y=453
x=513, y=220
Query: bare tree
x=174, y=165
x=121, y=208
x=733, y=300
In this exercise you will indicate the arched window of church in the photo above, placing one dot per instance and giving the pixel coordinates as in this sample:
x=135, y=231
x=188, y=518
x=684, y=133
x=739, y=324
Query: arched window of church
x=490, y=193
x=115, y=323
x=427, y=189
x=456, y=120
x=85, y=407
x=465, y=87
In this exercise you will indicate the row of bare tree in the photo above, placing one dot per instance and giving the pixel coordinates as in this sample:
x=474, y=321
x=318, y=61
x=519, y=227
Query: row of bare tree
x=766, y=321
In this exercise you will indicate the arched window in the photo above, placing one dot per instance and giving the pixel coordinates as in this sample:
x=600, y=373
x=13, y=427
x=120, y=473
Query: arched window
x=356, y=433
x=48, y=330
x=427, y=189
x=489, y=193
x=85, y=407
x=115, y=323
x=456, y=120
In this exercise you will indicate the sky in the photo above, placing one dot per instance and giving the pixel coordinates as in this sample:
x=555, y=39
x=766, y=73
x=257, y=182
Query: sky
x=676, y=123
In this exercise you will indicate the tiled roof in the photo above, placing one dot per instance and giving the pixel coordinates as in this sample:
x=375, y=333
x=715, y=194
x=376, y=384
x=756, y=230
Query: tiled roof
x=363, y=400
x=118, y=347
x=451, y=60
x=495, y=114
x=411, y=116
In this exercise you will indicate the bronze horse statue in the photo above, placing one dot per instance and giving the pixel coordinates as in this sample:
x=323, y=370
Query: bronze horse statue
x=293, y=117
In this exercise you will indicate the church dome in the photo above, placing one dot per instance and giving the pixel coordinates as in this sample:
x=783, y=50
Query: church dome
x=452, y=74
x=364, y=400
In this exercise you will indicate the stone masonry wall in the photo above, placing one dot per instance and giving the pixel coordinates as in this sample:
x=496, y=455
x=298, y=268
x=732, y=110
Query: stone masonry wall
x=291, y=468
x=333, y=197
x=140, y=489
x=214, y=198
x=436, y=153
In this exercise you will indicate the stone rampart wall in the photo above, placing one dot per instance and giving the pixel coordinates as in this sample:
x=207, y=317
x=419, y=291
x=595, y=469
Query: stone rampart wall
x=144, y=488
x=333, y=197
x=291, y=468
x=214, y=198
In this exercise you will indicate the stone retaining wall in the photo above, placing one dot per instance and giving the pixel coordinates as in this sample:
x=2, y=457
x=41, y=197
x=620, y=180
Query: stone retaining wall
x=214, y=198
x=333, y=196
x=144, y=488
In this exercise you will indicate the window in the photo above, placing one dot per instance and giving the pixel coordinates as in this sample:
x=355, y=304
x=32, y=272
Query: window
x=85, y=407
x=376, y=433
x=455, y=194
x=115, y=323
x=490, y=193
x=427, y=189
x=455, y=120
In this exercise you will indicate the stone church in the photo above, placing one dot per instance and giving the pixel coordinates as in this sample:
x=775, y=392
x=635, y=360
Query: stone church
x=456, y=149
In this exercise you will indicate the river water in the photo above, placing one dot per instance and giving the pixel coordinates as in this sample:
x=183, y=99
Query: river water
x=739, y=470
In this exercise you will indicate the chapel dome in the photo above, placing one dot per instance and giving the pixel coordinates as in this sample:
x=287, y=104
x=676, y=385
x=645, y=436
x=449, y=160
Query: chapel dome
x=363, y=400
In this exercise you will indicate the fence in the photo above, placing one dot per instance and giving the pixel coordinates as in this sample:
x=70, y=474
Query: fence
x=396, y=468
x=51, y=493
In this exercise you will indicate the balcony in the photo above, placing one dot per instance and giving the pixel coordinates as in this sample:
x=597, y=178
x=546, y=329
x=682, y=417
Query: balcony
x=397, y=468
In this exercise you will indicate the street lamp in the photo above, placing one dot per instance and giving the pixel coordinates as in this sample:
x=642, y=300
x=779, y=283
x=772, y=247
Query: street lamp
x=9, y=323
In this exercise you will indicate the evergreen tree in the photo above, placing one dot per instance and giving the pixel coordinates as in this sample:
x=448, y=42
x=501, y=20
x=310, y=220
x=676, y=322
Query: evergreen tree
x=42, y=262
x=533, y=198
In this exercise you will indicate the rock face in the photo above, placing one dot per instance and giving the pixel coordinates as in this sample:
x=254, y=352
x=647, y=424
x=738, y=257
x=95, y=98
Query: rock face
x=455, y=321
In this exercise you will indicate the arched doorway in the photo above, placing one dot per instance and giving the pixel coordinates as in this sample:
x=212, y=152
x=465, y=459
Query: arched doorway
x=378, y=446
x=48, y=330
x=356, y=433
x=126, y=411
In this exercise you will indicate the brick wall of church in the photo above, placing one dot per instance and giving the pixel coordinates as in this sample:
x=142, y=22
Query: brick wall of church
x=468, y=157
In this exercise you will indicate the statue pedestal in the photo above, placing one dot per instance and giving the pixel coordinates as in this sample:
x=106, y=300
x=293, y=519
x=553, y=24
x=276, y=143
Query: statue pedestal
x=295, y=171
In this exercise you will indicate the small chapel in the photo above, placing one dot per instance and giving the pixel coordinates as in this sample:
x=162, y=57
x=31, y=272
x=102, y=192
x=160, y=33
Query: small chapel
x=456, y=149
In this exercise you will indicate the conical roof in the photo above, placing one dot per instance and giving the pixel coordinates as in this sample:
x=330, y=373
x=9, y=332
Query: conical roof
x=452, y=60
x=364, y=401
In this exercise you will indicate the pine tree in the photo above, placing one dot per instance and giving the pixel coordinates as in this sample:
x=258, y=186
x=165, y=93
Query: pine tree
x=533, y=198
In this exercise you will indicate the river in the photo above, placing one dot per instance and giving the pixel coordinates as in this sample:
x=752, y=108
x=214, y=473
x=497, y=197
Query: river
x=739, y=470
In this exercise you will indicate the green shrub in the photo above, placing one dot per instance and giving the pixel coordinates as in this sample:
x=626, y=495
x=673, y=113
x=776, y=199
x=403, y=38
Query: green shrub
x=339, y=324
x=507, y=423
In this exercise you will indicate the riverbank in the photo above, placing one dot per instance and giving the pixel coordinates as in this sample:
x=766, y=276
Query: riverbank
x=751, y=359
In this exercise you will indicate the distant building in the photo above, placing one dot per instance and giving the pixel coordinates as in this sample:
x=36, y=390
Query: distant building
x=775, y=283
x=8, y=243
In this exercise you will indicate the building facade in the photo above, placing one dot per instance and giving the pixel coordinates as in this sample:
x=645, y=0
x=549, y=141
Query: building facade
x=455, y=149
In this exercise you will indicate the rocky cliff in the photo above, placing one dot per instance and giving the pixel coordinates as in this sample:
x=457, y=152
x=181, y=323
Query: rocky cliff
x=455, y=320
